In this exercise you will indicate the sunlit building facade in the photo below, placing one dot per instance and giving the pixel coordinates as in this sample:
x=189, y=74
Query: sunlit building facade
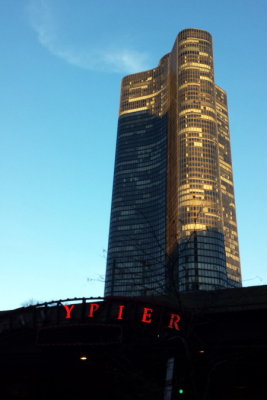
x=173, y=222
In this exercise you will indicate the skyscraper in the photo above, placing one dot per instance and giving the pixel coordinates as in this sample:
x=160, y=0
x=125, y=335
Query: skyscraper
x=173, y=221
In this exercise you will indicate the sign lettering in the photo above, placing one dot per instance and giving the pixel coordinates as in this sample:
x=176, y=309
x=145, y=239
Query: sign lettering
x=147, y=313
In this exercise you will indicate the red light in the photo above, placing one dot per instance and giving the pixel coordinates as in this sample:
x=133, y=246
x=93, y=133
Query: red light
x=68, y=310
x=173, y=324
x=120, y=312
x=147, y=314
x=93, y=307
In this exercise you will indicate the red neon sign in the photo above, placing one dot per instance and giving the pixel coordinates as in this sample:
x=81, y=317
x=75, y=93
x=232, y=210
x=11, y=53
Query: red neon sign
x=68, y=310
x=175, y=318
x=120, y=311
x=147, y=315
x=93, y=307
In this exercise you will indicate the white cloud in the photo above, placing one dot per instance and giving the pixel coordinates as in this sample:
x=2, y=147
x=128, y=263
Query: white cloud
x=125, y=60
x=109, y=59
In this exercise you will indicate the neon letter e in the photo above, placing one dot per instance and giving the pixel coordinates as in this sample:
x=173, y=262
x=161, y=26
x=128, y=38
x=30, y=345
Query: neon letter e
x=147, y=315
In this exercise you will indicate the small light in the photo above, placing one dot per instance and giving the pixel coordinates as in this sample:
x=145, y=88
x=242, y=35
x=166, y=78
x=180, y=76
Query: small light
x=181, y=391
x=83, y=358
x=201, y=351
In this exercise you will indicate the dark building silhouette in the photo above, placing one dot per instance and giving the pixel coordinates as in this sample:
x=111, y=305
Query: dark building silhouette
x=173, y=223
x=131, y=348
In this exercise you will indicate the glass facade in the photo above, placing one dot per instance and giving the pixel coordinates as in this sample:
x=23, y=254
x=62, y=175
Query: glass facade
x=173, y=224
x=136, y=253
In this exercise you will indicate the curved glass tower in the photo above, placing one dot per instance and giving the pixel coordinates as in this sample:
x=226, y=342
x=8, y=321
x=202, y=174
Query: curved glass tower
x=173, y=224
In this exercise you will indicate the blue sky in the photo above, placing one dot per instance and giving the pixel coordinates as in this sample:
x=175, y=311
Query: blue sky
x=60, y=71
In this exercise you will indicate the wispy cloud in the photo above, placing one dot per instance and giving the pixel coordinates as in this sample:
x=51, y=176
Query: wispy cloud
x=110, y=59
